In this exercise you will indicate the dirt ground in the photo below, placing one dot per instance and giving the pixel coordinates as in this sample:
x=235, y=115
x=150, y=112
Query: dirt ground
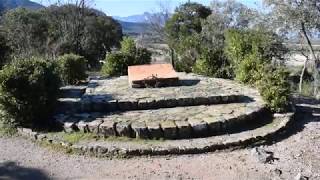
x=297, y=156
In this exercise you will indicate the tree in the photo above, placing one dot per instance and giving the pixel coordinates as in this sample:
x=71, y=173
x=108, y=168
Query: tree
x=100, y=34
x=26, y=31
x=186, y=20
x=58, y=30
x=303, y=17
x=5, y=50
x=158, y=20
x=225, y=15
x=157, y=23
x=91, y=35
x=183, y=30
x=234, y=14
x=248, y=50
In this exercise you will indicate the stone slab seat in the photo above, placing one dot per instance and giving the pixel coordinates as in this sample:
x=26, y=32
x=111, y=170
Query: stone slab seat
x=151, y=74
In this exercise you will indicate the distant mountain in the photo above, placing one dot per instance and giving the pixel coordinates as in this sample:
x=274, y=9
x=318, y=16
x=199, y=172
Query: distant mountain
x=134, y=28
x=140, y=18
x=11, y=4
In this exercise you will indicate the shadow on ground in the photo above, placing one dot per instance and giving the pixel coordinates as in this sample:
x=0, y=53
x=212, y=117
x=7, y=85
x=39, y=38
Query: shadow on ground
x=304, y=115
x=11, y=171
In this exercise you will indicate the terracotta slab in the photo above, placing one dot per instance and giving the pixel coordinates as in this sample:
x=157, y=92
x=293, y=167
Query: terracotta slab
x=152, y=74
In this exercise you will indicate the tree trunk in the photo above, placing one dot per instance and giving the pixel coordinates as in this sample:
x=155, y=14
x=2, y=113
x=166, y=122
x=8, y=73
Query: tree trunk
x=172, y=57
x=315, y=59
x=302, y=74
x=304, y=64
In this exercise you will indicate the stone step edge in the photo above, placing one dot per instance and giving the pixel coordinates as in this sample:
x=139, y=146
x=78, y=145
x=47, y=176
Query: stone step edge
x=87, y=105
x=168, y=130
x=100, y=151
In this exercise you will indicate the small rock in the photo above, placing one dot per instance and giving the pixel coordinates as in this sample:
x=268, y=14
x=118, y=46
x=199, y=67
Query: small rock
x=278, y=171
x=41, y=137
x=299, y=176
x=262, y=155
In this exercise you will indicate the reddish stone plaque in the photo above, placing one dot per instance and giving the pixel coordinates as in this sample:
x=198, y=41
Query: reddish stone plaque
x=152, y=75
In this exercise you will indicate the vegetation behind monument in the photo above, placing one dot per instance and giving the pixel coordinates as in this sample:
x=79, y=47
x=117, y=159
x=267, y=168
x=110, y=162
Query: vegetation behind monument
x=57, y=30
x=228, y=40
x=116, y=63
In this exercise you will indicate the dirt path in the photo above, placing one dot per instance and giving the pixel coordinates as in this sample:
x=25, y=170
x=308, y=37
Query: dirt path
x=298, y=153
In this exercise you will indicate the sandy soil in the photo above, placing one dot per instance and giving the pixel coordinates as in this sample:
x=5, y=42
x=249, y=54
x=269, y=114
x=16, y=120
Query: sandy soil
x=297, y=153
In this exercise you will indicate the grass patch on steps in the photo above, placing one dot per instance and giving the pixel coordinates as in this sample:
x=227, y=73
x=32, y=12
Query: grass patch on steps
x=73, y=137
x=76, y=137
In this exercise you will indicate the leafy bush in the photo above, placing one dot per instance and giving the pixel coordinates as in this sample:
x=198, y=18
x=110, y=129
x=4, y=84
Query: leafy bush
x=188, y=50
x=29, y=89
x=265, y=44
x=248, y=69
x=214, y=64
x=117, y=63
x=128, y=45
x=251, y=53
x=274, y=88
x=73, y=68
x=142, y=56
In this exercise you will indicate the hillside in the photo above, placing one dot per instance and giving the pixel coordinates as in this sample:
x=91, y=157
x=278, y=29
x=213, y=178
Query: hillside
x=139, y=18
x=134, y=29
x=11, y=4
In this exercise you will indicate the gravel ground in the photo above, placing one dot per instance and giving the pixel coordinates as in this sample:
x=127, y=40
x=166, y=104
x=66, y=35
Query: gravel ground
x=297, y=154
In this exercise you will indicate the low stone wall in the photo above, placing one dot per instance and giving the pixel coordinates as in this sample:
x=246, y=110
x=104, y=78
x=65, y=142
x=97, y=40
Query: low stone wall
x=88, y=104
x=168, y=123
x=190, y=146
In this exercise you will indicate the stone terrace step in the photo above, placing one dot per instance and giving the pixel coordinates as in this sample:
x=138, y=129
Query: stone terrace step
x=168, y=123
x=72, y=91
x=102, y=104
x=109, y=95
x=111, y=148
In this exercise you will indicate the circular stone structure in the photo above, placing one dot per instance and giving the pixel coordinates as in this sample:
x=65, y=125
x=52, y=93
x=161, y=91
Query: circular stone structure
x=198, y=107
x=115, y=94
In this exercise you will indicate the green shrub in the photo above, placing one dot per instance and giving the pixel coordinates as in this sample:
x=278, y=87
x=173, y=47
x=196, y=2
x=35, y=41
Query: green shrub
x=248, y=69
x=29, y=89
x=128, y=45
x=251, y=53
x=116, y=63
x=73, y=68
x=142, y=56
x=274, y=88
x=264, y=44
x=214, y=64
x=188, y=50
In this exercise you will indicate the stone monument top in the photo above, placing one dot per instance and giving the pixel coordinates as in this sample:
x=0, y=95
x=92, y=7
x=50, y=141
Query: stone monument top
x=152, y=75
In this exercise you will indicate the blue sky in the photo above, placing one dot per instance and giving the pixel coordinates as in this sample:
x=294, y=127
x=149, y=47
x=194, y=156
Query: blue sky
x=125, y=8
